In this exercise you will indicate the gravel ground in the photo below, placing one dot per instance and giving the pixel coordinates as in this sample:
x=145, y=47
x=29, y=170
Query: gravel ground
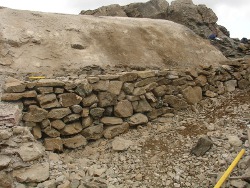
x=158, y=154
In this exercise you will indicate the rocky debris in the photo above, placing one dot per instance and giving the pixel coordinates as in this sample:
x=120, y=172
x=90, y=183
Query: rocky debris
x=203, y=145
x=120, y=144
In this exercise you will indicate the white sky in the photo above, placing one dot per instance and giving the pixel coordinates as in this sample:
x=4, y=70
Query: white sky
x=233, y=14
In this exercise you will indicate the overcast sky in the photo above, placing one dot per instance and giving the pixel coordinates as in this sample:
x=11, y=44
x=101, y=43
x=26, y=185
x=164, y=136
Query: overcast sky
x=233, y=14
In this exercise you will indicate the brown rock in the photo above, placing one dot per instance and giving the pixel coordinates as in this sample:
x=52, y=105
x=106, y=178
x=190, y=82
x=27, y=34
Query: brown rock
x=93, y=79
x=58, y=124
x=139, y=91
x=121, y=96
x=49, y=83
x=151, y=86
x=69, y=99
x=145, y=82
x=28, y=102
x=107, y=99
x=160, y=91
x=87, y=122
x=114, y=131
x=150, y=96
x=58, y=90
x=34, y=174
x=30, y=124
x=128, y=77
x=35, y=114
x=128, y=88
x=71, y=118
x=83, y=88
x=17, y=96
x=175, y=102
x=51, y=132
x=115, y=87
x=244, y=84
x=138, y=119
x=31, y=151
x=142, y=106
x=158, y=112
x=111, y=121
x=230, y=85
x=124, y=108
x=5, y=180
x=13, y=85
x=58, y=113
x=93, y=132
x=211, y=94
x=85, y=112
x=45, y=90
x=53, y=144
x=48, y=101
x=75, y=142
x=132, y=98
x=192, y=94
x=146, y=74
x=4, y=162
x=88, y=101
x=102, y=85
x=179, y=81
x=201, y=80
x=76, y=109
x=45, y=123
x=36, y=131
x=72, y=128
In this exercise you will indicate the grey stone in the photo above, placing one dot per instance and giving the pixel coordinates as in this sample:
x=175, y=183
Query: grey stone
x=97, y=112
x=107, y=99
x=138, y=119
x=203, y=145
x=93, y=132
x=123, y=108
x=74, y=142
x=114, y=131
x=91, y=99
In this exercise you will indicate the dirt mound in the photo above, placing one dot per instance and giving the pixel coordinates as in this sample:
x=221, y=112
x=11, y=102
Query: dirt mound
x=47, y=43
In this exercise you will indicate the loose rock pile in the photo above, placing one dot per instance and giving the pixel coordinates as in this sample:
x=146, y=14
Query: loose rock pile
x=71, y=113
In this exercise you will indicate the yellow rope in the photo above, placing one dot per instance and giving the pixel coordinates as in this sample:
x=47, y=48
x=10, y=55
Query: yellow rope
x=37, y=77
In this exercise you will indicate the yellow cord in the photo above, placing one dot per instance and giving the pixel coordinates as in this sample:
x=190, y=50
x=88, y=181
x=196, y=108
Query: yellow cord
x=37, y=77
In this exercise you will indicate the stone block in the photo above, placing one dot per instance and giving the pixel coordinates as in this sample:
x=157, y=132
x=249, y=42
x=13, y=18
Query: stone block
x=53, y=144
x=192, y=94
x=93, y=132
x=89, y=100
x=13, y=85
x=111, y=121
x=35, y=114
x=58, y=113
x=138, y=119
x=49, y=83
x=48, y=101
x=69, y=99
x=128, y=77
x=115, y=87
x=123, y=108
x=58, y=124
x=114, y=131
x=72, y=128
x=75, y=142
x=107, y=99
x=18, y=96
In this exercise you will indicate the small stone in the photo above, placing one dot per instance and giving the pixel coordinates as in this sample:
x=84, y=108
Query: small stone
x=230, y=85
x=58, y=90
x=138, y=119
x=83, y=88
x=102, y=85
x=76, y=109
x=192, y=94
x=120, y=144
x=128, y=77
x=234, y=140
x=238, y=183
x=128, y=88
x=70, y=118
x=49, y=83
x=124, y=108
x=72, y=128
x=139, y=91
x=31, y=151
x=5, y=134
x=139, y=177
x=69, y=99
x=51, y=132
x=45, y=90
x=13, y=85
x=58, y=124
x=17, y=96
x=111, y=121
x=36, y=131
x=107, y=99
x=93, y=132
x=53, y=144
x=142, y=106
x=91, y=99
x=48, y=101
x=115, y=87
x=92, y=80
x=97, y=112
x=210, y=94
x=114, y=131
x=87, y=122
x=85, y=112
x=59, y=113
x=146, y=74
x=203, y=145
x=160, y=91
x=74, y=142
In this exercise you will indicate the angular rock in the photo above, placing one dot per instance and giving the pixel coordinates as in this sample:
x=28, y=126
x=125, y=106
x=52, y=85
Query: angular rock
x=139, y=91
x=234, y=140
x=107, y=99
x=93, y=132
x=160, y=91
x=5, y=134
x=203, y=145
x=71, y=118
x=4, y=162
x=5, y=180
x=87, y=122
x=31, y=151
x=111, y=121
x=35, y=114
x=13, y=85
x=128, y=88
x=58, y=124
x=76, y=109
x=145, y=82
x=88, y=101
x=120, y=144
x=146, y=74
x=51, y=132
x=192, y=94
x=49, y=83
x=17, y=96
x=201, y=80
x=96, y=112
x=102, y=85
x=230, y=85
x=151, y=86
x=69, y=99
x=150, y=96
x=128, y=77
x=10, y=114
x=75, y=142
x=92, y=80
x=114, y=131
x=59, y=113
x=138, y=119
x=72, y=128
x=175, y=102
x=53, y=144
x=179, y=81
x=115, y=87
x=158, y=112
x=48, y=101
x=33, y=174
x=85, y=112
x=45, y=90
x=142, y=106
x=123, y=108
x=83, y=88
x=132, y=98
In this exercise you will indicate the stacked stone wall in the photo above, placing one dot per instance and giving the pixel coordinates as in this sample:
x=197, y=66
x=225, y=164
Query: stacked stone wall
x=69, y=113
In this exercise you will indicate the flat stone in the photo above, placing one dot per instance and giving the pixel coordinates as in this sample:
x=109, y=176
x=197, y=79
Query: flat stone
x=107, y=99
x=75, y=142
x=33, y=174
x=175, y=102
x=48, y=101
x=13, y=85
x=93, y=79
x=108, y=77
x=4, y=161
x=36, y=131
x=128, y=77
x=58, y=124
x=93, y=132
x=35, y=114
x=69, y=99
x=138, y=119
x=120, y=144
x=83, y=88
x=58, y=90
x=123, y=108
x=89, y=100
x=97, y=112
x=128, y=88
x=111, y=121
x=151, y=86
x=5, y=134
x=115, y=87
x=146, y=74
x=59, y=113
x=49, y=83
x=192, y=94
x=145, y=82
x=18, y=96
x=179, y=81
x=51, y=132
x=53, y=144
x=87, y=122
x=71, y=118
x=114, y=131
x=31, y=151
x=102, y=85
x=132, y=98
x=160, y=91
x=244, y=84
x=203, y=145
x=139, y=91
x=76, y=109
x=45, y=90
x=142, y=106
x=72, y=128
x=158, y=112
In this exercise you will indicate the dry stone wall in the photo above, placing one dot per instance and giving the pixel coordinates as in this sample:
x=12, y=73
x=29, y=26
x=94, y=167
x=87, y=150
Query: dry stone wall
x=69, y=113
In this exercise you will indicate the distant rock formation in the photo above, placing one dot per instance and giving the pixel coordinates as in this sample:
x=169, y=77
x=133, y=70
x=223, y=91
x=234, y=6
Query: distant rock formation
x=199, y=18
